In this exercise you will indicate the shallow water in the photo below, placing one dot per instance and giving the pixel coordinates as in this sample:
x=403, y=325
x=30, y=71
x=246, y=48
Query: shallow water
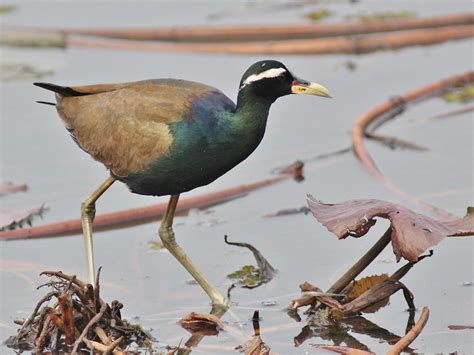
x=36, y=149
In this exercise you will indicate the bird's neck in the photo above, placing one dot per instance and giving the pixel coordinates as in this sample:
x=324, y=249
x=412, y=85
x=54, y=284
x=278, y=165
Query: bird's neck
x=242, y=130
x=252, y=112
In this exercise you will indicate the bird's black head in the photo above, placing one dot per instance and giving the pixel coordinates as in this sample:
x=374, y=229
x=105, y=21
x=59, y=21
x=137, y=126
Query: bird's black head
x=267, y=78
x=271, y=79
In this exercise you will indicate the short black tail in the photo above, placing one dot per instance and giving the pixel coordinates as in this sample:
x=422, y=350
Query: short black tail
x=46, y=103
x=64, y=90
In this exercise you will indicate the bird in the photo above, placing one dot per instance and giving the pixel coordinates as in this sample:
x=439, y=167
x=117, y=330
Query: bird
x=168, y=136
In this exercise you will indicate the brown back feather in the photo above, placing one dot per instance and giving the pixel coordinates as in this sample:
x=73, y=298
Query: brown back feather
x=125, y=126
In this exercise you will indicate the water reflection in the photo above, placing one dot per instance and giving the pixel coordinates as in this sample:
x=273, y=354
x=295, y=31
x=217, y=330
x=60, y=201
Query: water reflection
x=344, y=332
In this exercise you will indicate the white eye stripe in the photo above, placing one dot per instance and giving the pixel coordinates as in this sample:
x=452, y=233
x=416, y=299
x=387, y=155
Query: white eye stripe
x=270, y=73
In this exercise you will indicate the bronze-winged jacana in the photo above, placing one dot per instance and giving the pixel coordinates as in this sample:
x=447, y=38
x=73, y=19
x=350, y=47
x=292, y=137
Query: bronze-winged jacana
x=168, y=136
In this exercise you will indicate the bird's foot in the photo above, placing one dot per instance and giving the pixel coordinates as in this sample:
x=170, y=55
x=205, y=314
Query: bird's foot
x=220, y=303
x=169, y=242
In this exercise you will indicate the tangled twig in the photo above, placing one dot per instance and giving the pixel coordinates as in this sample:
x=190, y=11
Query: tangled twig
x=78, y=319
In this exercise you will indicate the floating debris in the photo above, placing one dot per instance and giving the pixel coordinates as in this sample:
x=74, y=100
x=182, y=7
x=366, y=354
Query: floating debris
x=10, y=220
x=269, y=303
x=288, y=212
x=202, y=324
x=318, y=15
x=247, y=276
x=230, y=35
x=460, y=95
x=191, y=282
x=382, y=16
x=78, y=321
x=255, y=346
x=394, y=142
x=8, y=187
x=460, y=327
x=295, y=169
x=350, y=65
x=6, y=9
x=32, y=39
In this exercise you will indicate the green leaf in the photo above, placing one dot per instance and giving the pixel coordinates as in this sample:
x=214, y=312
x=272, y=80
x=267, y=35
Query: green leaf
x=248, y=275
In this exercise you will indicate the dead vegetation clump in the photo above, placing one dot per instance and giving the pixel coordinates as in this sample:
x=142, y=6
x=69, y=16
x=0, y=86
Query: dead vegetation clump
x=72, y=317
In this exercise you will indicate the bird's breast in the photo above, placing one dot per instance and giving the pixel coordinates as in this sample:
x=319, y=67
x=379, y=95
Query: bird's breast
x=200, y=153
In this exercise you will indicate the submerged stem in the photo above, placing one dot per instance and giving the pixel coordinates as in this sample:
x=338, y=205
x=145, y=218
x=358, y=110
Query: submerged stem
x=362, y=263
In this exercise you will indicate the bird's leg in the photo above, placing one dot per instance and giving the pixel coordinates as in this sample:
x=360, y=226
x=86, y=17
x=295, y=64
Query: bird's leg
x=87, y=217
x=167, y=237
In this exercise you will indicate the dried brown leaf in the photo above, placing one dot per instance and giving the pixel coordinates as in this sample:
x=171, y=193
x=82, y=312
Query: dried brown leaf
x=412, y=233
x=57, y=320
x=330, y=302
x=202, y=324
x=302, y=302
x=255, y=346
x=306, y=287
x=363, y=284
x=375, y=295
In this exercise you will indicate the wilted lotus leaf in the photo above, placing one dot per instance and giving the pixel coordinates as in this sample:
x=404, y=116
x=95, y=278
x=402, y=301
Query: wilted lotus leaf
x=202, y=324
x=10, y=220
x=412, y=233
